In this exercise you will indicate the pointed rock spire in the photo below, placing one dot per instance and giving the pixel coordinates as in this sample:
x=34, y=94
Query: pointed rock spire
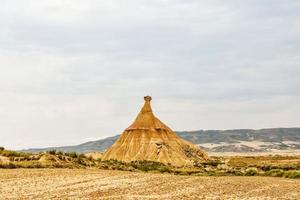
x=146, y=119
x=147, y=106
x=150, y=139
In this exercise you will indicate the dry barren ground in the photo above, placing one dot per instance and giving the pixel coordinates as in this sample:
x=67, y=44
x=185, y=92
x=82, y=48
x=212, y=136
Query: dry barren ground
x=101, y=184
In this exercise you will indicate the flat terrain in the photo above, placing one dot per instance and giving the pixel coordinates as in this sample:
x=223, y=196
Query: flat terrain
x=105, y=184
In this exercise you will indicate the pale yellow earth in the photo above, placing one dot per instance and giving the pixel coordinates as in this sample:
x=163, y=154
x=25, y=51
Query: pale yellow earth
x=273, y=153
x=105, y=184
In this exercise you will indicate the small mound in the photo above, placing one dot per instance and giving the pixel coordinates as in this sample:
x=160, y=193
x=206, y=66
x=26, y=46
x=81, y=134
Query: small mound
x=48, y=159
x=4, y=160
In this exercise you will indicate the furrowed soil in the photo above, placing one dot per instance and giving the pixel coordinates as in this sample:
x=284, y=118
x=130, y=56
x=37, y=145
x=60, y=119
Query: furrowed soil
x=108, y=184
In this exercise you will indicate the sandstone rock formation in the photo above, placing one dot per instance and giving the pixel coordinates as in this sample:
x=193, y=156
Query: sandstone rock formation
x=48, y=159
x=94, y=155
x=150, y=139
x=4, y=160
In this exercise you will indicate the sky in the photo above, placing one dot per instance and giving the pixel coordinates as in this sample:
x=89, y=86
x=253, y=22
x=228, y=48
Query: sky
x=73, y=71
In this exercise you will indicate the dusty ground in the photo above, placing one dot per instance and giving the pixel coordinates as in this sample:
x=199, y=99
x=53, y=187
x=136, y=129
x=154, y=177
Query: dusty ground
x=100, y=184
x=274, y=152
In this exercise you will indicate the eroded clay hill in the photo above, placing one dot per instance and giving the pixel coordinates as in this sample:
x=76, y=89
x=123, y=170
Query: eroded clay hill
x=150, y=139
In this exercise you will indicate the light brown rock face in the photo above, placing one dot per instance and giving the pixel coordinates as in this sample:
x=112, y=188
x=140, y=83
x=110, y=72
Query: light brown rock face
x=94, y=155
x=4, y=160
x=150, y=139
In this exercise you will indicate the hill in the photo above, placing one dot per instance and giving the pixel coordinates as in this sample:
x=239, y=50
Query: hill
x=238, y=140
x=92, y=146
x=149, y=139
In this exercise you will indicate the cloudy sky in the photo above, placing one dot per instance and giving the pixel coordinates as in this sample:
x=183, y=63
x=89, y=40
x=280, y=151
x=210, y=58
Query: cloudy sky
x=73, y=71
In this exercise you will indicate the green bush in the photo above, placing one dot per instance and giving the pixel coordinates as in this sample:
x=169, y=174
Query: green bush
x=81, y=156
x=213, y=162
x=8, y=166
x=149, y=166
x=81, y=161
x=8, y=153
x=234, y=172
x=289, y=167
x=2, y=148
x=90, y=158
x=292, y=174
x=52, y=152
x=144, y=166
x=274, y=172
x=164, y=169
x=266, y=167
x=183, y=173
x=251, y=172
x=60, y=153
x=72, y=154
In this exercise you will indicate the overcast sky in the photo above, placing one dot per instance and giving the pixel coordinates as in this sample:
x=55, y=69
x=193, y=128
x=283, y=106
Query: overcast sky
x=73, y=71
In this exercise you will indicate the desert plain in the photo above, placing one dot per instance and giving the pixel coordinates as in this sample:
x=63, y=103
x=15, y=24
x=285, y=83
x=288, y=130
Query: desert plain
x=113, y=184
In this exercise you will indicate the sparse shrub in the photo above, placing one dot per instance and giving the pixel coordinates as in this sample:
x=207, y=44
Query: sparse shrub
x=28, y=164
x=282, y=173
x=251, y=172
x=60, y=153
x=130, y=168
x=289, y=167
x=144, y=166
x=81, y=161
x=213, y=163
x=183, y=173
x=81, y=156
x=238, y=173
x=274, y=172
x=8, y=166
x=266, y=167
x=72, y=154
x=292, y=174
x=211, y=174
x=35, y=165
x=113, y=164
x=274, y=167
x=148, y=165
x=164, y=169
x=9, y=153
x=2, y=148
x=57, y=165
x=52, y=152
x=235, y=172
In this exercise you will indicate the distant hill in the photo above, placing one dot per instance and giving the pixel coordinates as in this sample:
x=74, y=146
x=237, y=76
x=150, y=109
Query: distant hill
x=98, y=145
x=239, y=140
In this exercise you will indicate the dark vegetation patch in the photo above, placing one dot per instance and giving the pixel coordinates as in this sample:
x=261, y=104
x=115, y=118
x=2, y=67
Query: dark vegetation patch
x=275, y=166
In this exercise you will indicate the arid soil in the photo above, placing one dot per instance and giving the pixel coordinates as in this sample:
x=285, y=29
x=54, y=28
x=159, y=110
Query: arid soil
x=106, y=184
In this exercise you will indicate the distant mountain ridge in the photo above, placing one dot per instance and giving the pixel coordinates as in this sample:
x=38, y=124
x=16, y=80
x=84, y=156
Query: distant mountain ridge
x=237, y=140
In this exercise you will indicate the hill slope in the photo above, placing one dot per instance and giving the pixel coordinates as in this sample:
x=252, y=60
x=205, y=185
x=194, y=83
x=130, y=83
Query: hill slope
x=239, y=140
